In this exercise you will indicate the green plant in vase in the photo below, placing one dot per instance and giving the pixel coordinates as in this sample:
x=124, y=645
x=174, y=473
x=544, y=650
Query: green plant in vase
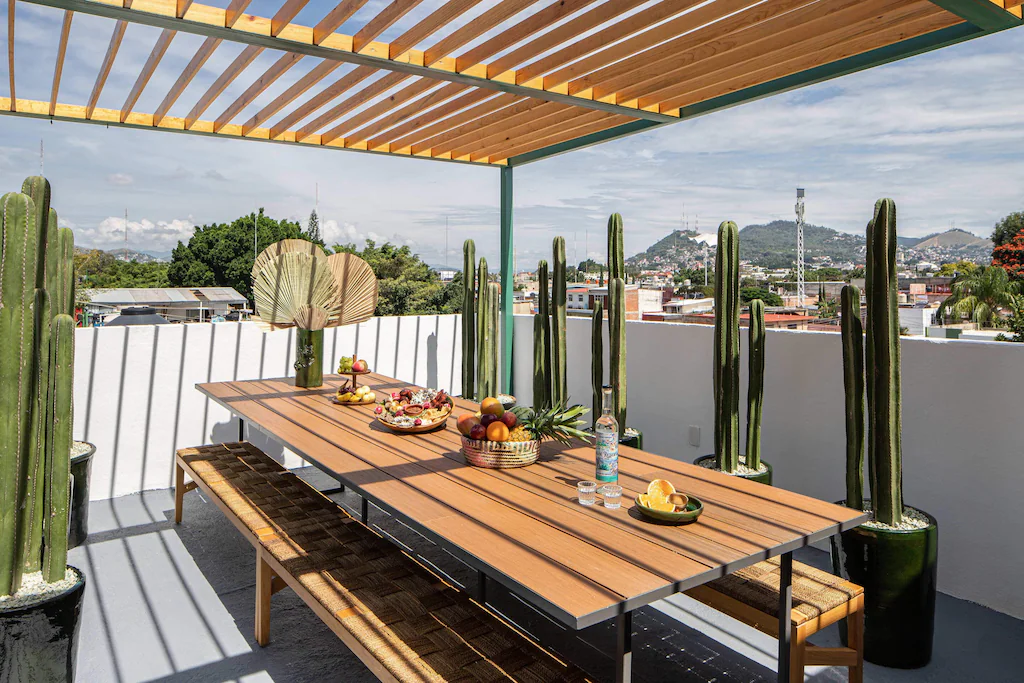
x=37, y=585
x=895, y=555
x=296, y=285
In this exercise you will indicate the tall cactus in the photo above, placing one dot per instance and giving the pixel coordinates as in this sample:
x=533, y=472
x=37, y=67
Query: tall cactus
x=542, y=342
x=727, y=348
x=559, y=382
x=597, y=360
x=487, y=371
x=469, y=319
x=882, y=364
x=481, y=323
x=616, y=254
x=755, y=383
x=853, y=382
x=617, y=319
x=35, y=387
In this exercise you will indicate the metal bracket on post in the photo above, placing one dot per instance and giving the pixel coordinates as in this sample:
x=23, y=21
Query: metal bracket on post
x=507, y=279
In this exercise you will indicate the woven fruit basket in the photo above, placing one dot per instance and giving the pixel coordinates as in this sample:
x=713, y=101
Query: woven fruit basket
x=500, y=454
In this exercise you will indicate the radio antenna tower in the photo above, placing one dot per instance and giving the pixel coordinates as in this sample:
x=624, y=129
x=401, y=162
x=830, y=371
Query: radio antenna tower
x=801, y=289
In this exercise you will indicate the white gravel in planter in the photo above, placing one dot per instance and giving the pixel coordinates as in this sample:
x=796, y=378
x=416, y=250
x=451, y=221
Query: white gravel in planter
x=34, y=590
x=912, y=520
x=80, y=448
x=742, y=469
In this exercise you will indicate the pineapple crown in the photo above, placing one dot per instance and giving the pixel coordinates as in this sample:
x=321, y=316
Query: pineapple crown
x=558, y=422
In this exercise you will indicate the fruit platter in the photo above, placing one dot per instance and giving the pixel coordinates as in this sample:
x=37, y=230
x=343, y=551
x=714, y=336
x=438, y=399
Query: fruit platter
x=353, y=367
x=350, y=395
x=500, y=439
x=413, y=411
x=663, y=503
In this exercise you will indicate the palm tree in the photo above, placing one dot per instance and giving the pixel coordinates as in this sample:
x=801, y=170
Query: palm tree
x=981, y=295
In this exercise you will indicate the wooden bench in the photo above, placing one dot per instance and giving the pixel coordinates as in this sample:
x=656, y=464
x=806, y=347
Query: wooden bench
x=403, y=621
x=751, y=595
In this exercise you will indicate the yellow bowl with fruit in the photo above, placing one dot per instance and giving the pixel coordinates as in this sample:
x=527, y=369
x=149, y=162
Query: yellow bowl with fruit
x=360, y=396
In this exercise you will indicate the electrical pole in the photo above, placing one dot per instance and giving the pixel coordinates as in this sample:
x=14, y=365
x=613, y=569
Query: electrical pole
x=446, y=242
x=800, y=284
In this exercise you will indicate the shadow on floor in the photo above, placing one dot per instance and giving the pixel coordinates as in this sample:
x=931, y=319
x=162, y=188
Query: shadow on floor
x=175, y=603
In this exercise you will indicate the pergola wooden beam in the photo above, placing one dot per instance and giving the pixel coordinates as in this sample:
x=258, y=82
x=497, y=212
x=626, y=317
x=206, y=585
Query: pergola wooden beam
x=162, y=43
x=296, y=90
x=438, y=97
x=58, y=67
x=474, y=29
x=988, y=15
x=446, y=113
x=375, y=89
x=190, y=71
x=255, y=31
x=340, y=86
x=273, y=72
x=285, y=15
x=411, y=91
x=382, y=22
x=108, y=63
x=341, y=13
x=226, y=77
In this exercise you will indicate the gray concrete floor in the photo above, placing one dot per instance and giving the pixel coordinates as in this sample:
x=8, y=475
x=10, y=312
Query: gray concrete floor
x=174, y=604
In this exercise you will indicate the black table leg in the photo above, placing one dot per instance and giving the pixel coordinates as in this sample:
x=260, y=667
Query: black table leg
x=364, y=511
x=785, y=609
x=624, y=648
x=241, y=429
x=481, y=587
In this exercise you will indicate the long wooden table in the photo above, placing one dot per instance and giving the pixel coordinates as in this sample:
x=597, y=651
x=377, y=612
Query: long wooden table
x=523, y=527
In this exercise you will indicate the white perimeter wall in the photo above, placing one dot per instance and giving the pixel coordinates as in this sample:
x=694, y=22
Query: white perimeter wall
x=964, y=463
x=135, y=395
x=962, y=425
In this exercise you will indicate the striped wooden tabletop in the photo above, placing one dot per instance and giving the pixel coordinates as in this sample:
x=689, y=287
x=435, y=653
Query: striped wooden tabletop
x=523, y=527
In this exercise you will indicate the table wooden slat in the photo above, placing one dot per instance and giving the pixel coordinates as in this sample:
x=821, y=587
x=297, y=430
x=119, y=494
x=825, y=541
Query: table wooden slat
x=524, y=527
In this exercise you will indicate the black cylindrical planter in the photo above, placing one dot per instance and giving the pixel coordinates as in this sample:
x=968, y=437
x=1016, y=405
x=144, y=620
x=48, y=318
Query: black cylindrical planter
x=898, y=570
x=633, y=441
x=81, y=470
x=39, y=642
x=761, y=478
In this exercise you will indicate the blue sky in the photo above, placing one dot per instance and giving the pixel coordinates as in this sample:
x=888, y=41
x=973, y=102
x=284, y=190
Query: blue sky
x=941, y=133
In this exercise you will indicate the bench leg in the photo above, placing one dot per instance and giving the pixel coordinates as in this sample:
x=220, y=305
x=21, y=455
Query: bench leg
x=855, y=641
x=264, y=589
x=624, y=648
x=179, y=491
x=785, y=615
x=797, y=657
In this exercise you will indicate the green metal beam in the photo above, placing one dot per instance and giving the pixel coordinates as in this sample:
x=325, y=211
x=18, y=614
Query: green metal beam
x=507, y=279
x=867, y=60
x=984, y=14
x=139, y=16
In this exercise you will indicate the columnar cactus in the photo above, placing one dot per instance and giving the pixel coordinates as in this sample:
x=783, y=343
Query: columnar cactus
x=542, y=342
x=597, y=360
x=727, y=348
x=617, y=348
x=481, y=323
x=755, y=383
x=617, y=319
x=468, y=319
x=882, y=364
x=853, y=382
x=36, y=376
x=488, y=368
x=559, y=383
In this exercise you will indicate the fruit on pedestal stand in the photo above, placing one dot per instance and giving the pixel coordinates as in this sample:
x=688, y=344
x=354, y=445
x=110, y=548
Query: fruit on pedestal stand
x=359, y=366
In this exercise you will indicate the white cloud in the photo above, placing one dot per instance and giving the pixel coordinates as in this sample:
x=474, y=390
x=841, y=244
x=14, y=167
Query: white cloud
x=143, y=235
x=120, y=179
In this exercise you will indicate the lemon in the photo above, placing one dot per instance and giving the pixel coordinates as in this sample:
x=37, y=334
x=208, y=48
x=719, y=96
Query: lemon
x=660, y=489
x=644, y=500
x=662, y=505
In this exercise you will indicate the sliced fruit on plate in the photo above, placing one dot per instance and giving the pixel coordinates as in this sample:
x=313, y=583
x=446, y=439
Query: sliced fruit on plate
x=660, y=489
x=662, y=505
x=645, y=500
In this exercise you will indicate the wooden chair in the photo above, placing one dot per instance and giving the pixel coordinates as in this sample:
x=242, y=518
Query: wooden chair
x=751, y=595
x=403, y=621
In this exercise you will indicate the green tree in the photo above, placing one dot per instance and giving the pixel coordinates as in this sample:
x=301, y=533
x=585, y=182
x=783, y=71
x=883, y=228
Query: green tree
x=221, y=254
x=1007, y=228
x=313, y=228
x=958, y=268
x=405, y=284
x=982, y=296
x=747, y=294
x=95, y=269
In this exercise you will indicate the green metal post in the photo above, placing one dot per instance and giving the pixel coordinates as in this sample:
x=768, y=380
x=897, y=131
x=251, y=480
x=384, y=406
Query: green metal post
x=507, y=279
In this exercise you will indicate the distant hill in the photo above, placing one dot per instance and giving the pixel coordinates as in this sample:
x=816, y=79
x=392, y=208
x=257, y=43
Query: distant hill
x=130, y=255
x=773, y=245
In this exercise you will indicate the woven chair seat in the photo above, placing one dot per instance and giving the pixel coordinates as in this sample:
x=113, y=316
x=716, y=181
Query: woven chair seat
x=419, y=627
x=815, y=592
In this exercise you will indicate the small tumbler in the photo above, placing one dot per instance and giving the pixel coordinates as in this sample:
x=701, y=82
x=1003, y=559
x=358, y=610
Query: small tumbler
x=587, y=491
x=612, y=496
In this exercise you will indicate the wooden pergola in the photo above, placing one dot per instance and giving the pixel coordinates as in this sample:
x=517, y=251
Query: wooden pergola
x=520, y=81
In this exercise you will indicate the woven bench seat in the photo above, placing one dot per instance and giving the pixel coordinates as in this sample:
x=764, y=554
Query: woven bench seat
x=820, y=599
x=403, y=621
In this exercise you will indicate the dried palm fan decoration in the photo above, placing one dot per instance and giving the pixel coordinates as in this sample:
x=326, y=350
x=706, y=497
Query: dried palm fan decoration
x=295, y=284
x=357, y=288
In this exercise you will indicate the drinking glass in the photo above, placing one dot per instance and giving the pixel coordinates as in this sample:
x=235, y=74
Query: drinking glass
x=612, y=496
x=587, y=491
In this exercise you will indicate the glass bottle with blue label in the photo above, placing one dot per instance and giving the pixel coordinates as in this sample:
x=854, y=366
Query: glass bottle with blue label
x=606, y=433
